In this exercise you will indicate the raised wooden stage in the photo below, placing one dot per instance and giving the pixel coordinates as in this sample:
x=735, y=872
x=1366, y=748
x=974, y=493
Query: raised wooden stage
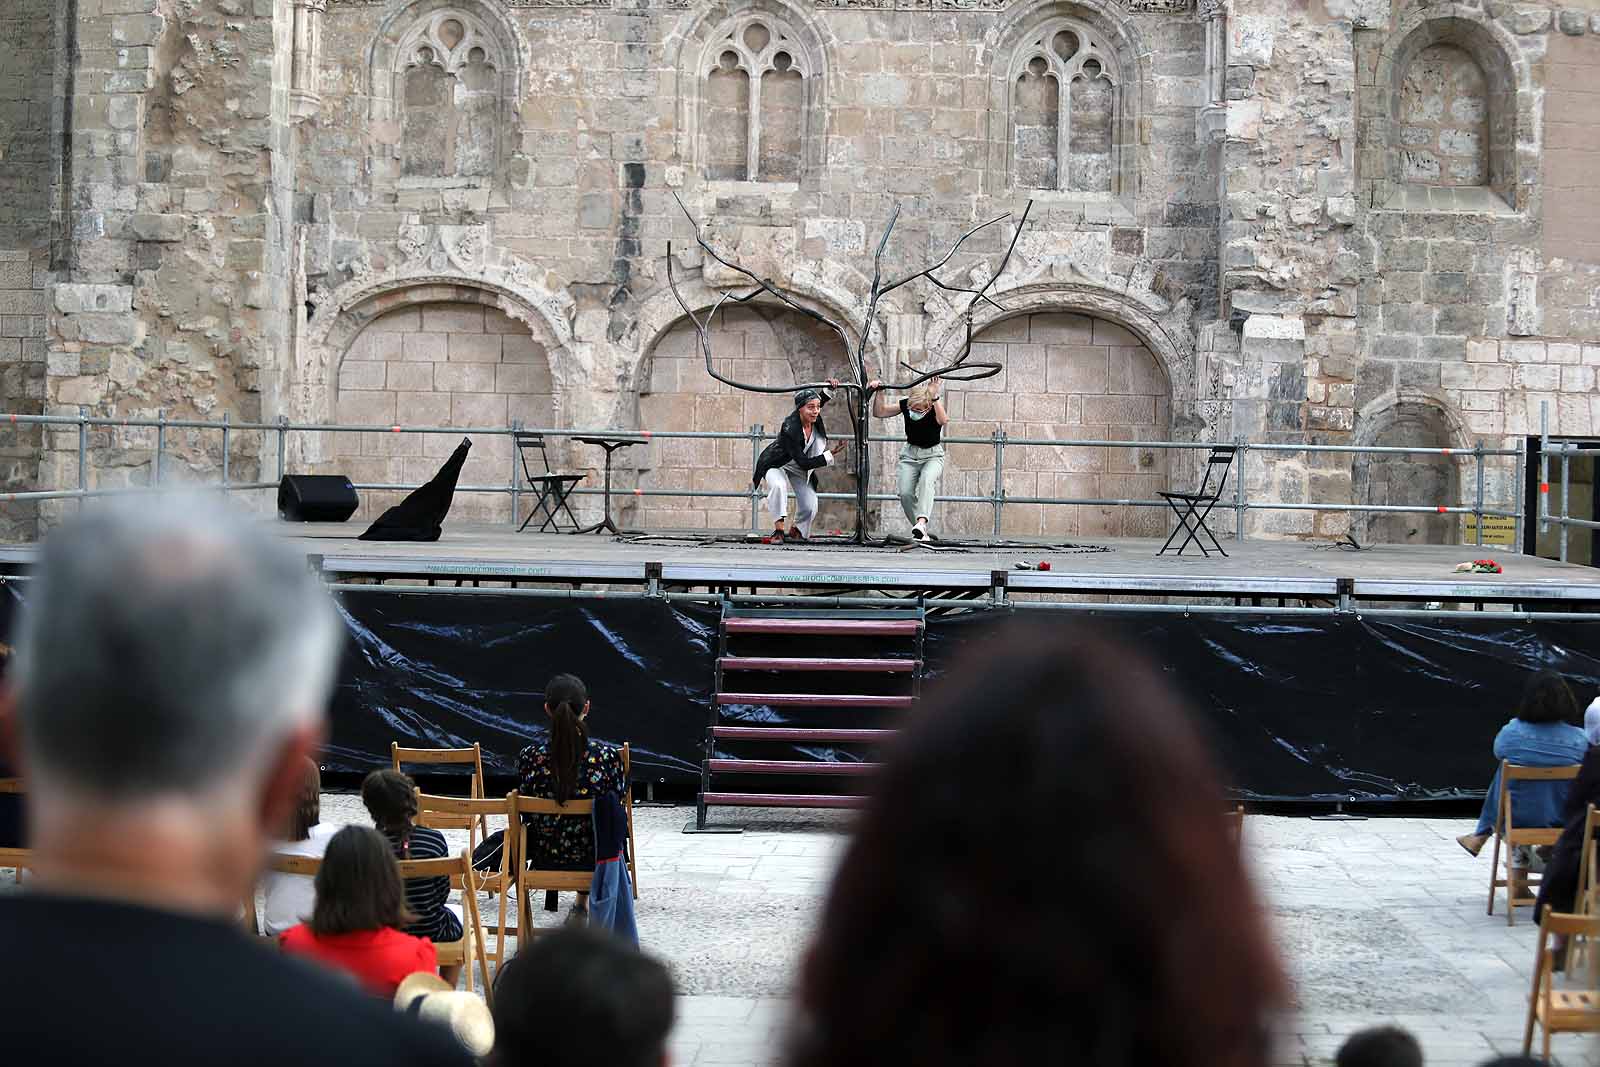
x=1254, y=571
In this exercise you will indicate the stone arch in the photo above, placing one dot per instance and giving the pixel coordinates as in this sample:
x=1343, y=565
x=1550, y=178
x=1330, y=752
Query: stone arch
x=1399, y=418
x=693, y=46
x=1113, y=42
x=1158, y=326
x=828, y=290
x=763, y=343
x=343, y=314
x=471, y=49
x=1510, y=125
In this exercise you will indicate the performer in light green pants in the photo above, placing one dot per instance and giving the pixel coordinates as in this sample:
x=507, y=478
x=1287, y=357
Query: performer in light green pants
x=922, y=457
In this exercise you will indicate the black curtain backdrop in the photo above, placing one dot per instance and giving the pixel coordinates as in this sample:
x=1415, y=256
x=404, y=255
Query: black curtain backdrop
x=1319, y=709
x=1316, y=709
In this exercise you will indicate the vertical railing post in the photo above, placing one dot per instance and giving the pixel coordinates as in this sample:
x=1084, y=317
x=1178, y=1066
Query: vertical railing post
x=516, y=499
x=83, y=454
x=1544, y=466
x=1518, y=521
x=226, y=440
x=283, y=446
x=1241, y=447
x=1566, y=467
x=1477, y=506
x=998, y=496
x=161, y=441
x=757, y=432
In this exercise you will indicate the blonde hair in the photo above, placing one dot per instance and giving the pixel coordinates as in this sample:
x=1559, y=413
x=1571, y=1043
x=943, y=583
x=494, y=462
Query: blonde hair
x=921, y=393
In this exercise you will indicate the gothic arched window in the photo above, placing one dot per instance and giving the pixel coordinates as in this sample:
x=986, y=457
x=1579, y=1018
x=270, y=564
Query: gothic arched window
x=1065, y=111
x=755, y=101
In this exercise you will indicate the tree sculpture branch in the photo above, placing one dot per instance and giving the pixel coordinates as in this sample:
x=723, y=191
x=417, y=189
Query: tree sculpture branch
x=957, y=369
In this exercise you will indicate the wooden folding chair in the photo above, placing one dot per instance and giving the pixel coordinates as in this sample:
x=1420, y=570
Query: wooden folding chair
x=470, y=946
x=1560, y=1010
x=531, y=879
x=1236, y=825
x=1508, y=835
x=1586, y=901
x=497, y=882
x=19, y=858
x=283, y=863
x=437, y=756
x=627, y=805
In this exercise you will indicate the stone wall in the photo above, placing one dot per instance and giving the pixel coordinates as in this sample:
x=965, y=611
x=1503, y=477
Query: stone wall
x=1571, y=173
x=439, y=365
x=1239, y=187
x=1068, y=377
x=28, y=187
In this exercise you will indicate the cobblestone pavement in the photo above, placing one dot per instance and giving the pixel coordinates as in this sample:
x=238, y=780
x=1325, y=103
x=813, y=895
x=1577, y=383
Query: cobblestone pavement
x=1381, y=921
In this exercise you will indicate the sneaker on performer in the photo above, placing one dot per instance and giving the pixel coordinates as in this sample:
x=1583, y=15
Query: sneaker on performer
x=795, y=536
x=775, y=537
x=919, y=532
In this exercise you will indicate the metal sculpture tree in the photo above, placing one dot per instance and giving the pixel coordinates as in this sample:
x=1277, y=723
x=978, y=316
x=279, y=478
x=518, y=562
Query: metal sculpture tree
x=958, y=369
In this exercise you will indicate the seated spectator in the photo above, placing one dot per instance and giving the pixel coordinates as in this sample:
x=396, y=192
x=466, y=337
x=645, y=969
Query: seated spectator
x=172, y=672
x=1543, y=734
x=360, y=909
x=567, y=765
x=972, y=922
x=391, y=800
x=289, y=897
x=1558, y=888
x=577, y=997
x=1381, y=1046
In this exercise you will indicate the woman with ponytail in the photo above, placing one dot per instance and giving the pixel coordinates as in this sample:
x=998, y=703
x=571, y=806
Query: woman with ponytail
x=391, y=800
x=568, y=765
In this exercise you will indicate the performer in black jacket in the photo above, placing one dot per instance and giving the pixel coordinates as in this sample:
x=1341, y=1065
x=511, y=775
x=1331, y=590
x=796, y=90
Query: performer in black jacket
x=786, y=464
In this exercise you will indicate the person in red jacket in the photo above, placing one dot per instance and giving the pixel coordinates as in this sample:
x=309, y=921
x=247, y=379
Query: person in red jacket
x=361, y=905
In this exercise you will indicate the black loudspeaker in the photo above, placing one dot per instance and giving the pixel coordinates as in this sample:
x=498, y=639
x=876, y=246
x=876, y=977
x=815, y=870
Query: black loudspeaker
x=316, y=498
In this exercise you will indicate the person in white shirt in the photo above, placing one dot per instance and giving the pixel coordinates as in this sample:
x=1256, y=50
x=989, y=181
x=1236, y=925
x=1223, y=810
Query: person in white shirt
x=786, y=465
x=290, y=897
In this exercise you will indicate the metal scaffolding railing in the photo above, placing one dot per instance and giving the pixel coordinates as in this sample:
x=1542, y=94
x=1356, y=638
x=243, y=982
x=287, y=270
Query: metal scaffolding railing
x=997, y=498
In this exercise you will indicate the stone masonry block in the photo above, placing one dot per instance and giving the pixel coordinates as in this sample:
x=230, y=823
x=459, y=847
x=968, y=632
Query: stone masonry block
x=423, y=348
x=163, y=228
x=464, y=377
x=408, y=377
x=475, y=348
x=112, y=299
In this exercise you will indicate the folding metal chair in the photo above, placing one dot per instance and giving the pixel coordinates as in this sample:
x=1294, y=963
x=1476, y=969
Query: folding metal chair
x=1192, y=508
x=553, y=489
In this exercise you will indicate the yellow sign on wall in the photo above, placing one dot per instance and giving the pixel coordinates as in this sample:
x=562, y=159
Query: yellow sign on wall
x=1498, y=530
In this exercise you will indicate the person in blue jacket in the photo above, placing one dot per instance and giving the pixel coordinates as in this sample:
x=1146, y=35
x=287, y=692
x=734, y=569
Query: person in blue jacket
x=1544, y=734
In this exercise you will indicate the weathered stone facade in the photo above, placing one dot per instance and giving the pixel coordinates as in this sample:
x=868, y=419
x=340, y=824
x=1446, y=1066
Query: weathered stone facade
x=1342, y=221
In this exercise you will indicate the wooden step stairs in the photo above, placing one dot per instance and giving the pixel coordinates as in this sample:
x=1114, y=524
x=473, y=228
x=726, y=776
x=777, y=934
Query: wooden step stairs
x=803, y=695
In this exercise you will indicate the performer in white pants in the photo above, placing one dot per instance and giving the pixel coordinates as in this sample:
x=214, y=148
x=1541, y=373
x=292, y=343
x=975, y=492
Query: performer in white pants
x=785, y=466
x=922, y=457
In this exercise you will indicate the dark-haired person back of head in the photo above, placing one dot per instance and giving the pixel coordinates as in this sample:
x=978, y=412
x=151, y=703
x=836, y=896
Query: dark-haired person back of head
x=1379, y=1046
x=172, y=670
x=963, y=926
x=578, y=997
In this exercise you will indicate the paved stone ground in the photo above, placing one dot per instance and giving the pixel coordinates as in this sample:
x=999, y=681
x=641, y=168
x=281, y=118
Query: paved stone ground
x=1381, y=921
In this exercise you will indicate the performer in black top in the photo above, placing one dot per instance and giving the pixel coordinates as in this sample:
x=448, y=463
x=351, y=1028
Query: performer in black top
x=922, y=458
x=786, y=465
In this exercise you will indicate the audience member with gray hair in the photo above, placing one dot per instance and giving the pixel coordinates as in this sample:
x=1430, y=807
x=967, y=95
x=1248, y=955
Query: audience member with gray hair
x=172, y=669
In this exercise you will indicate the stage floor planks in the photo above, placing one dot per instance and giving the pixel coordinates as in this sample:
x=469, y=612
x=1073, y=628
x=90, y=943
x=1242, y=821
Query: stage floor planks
x=1252, y=567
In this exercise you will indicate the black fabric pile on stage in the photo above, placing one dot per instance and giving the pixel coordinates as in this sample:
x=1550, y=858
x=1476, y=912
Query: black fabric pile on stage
x=420, y=516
